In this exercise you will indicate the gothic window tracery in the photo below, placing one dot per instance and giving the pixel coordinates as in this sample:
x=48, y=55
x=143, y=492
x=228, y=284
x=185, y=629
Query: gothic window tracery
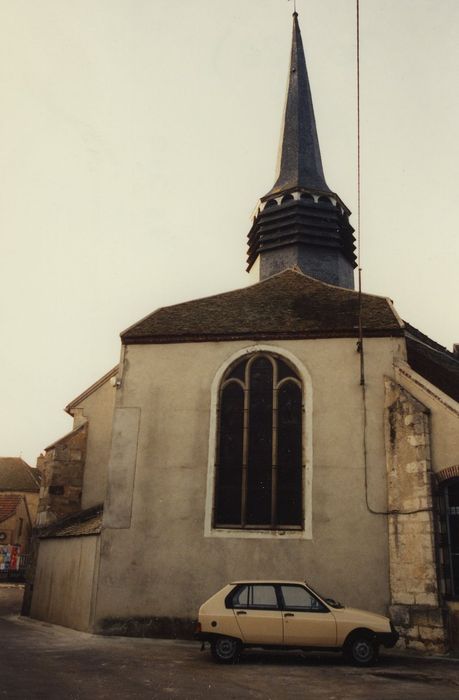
x=259, y=470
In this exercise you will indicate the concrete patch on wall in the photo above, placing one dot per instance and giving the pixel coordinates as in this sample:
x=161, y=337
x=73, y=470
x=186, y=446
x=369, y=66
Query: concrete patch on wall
x=121, y=468
x=415, y=607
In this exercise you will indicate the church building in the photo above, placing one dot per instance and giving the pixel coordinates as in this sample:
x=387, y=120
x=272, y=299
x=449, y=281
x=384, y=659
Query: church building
x=293, y=429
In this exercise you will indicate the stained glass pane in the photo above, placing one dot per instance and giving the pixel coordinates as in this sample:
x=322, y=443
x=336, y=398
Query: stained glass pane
x=238, y=370
x=284, y=370
x=229, y=463
x=260, y=443
x=289, y=480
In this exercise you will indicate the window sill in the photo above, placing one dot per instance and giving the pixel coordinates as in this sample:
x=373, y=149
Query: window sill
x=251, y=533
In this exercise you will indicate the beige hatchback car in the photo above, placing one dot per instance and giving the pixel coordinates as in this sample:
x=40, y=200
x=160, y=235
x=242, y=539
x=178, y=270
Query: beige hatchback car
x=289, y=614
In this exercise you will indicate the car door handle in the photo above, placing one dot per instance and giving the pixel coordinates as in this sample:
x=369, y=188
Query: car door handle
x=241, y=612
x=289, y=615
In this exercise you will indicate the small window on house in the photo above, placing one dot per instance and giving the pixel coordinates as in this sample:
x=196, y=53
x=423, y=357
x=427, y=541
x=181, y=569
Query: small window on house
x=21, y=525
x=56, y=490
x=259, y=470
x=287, y=198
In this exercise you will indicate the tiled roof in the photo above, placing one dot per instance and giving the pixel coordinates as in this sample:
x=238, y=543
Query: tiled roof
x=85, y=522
x=433, y=362
x=8, y=505
x=16, y=475
x=286, y=305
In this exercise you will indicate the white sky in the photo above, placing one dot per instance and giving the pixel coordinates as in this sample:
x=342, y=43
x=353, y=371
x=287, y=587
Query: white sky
x=137, y=135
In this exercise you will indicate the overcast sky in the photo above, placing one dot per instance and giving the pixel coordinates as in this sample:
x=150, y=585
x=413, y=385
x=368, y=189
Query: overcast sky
x=136, y=137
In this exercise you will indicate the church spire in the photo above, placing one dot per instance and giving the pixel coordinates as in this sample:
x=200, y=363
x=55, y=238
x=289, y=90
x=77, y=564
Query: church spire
x=300, y=164
x=300, y=222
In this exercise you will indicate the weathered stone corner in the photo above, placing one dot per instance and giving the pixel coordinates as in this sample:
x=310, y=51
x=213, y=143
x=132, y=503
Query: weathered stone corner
x=415, y=607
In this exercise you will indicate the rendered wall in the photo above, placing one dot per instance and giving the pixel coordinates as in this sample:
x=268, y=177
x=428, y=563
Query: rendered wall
x=157, y=566
x=65, y=580
x=97, y=409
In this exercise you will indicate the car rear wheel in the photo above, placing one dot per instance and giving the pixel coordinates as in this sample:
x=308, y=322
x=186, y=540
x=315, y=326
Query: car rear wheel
x=361, y=650
x=225, y=650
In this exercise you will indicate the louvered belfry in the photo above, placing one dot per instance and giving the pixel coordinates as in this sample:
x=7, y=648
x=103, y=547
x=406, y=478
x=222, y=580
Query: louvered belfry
x=301, y=222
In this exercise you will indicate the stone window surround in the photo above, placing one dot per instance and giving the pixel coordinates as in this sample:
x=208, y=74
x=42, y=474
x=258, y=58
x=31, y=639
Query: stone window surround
x=306, y=533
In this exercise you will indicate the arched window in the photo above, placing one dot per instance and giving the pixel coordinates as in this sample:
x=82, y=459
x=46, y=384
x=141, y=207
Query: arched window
x=449, y=525
x=259, y=466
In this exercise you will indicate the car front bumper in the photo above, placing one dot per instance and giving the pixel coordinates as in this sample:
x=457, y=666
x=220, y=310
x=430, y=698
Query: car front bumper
x=388, y=639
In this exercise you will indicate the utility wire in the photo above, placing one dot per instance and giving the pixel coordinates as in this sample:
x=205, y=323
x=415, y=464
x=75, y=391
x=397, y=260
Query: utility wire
x=359, y=269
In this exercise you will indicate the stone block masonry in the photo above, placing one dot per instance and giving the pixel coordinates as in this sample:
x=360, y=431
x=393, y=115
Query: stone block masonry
x=62, y=468
x=415, y=605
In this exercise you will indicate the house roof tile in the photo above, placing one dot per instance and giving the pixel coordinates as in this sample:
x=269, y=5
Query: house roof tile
x=8, y=505
x=433, y=361
x=16, y=475
x=85, y=522
x=286, y=305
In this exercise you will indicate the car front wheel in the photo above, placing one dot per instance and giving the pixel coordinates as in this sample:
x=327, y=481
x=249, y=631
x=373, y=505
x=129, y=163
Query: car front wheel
x=361, y=650
x=225, y=650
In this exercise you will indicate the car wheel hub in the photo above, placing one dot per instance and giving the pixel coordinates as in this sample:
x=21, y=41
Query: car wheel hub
x=362, y=650
x=226, y=648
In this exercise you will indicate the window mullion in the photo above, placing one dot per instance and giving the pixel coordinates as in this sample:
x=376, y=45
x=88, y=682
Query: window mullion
x=245, y=451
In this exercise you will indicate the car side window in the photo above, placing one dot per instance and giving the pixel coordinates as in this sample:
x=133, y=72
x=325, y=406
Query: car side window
x=298, y=598
x=256, y=597
x=263, y=598
x=241, y=598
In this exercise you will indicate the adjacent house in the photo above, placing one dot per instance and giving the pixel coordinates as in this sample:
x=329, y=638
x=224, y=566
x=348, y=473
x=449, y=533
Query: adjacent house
x=296, y=428
x=19, y=489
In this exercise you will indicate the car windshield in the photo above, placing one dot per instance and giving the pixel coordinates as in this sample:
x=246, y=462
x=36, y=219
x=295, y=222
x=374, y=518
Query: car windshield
x=330, y=601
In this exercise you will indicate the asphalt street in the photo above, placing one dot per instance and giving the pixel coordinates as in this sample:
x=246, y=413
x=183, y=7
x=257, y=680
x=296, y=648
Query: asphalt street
x=39, y=661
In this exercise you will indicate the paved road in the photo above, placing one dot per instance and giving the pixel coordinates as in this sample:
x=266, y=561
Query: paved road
x=44, y=662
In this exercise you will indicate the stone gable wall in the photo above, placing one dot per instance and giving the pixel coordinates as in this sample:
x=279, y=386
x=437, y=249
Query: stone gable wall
x=62, y=468
x=415, y=605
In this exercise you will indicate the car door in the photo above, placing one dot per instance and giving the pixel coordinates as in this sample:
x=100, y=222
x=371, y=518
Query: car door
x=258, y=614
x=307, y=622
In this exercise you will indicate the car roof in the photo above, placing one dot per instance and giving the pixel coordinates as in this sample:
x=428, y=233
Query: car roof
x=270, y=580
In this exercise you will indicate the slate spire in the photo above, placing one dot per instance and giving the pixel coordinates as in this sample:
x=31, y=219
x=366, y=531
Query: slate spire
x=300, y=164
x=300, y=222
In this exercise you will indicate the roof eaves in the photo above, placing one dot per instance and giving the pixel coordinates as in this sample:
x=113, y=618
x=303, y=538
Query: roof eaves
x=80, y=517
x=90, y=390
x=314, y=335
